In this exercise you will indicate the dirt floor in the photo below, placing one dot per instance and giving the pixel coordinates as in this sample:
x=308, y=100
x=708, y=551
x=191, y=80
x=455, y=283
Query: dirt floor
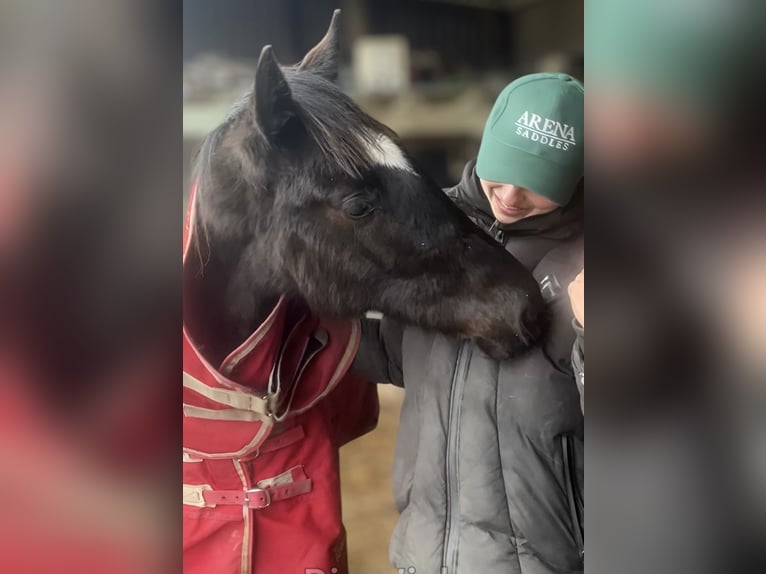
x=368, y=505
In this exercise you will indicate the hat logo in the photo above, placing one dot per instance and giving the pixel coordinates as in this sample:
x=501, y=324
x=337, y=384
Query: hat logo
x=545, y=131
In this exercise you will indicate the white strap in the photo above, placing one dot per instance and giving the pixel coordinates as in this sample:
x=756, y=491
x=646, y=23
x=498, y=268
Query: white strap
x=234, y=399
x=193, y=495
x=221, y=414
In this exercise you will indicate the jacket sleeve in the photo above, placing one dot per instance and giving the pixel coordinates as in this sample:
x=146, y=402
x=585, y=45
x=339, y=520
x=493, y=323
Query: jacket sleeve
x=578, y=360
x=379, y=358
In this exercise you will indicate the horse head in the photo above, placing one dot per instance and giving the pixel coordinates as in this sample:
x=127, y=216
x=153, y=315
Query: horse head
x=305, y=194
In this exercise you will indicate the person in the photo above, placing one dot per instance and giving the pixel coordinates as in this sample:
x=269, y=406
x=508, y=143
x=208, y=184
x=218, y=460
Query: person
x=488, y=470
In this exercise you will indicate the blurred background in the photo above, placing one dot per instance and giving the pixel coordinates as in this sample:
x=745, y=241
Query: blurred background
x=430, y=70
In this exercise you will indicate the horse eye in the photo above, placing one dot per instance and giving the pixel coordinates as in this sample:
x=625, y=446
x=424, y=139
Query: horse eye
x=357, y=209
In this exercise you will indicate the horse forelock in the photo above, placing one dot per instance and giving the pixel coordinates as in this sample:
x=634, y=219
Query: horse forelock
x=346, y=135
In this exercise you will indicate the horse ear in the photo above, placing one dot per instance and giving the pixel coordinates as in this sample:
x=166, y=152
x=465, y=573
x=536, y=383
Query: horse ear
x=273, y=101
x=322, y=59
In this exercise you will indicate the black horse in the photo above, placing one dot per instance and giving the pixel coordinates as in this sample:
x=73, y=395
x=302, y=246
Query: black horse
x=300, y=192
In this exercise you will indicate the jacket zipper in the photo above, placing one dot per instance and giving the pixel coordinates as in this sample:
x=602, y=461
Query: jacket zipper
x=497, y=233
x=451, y=533
x=576, y=505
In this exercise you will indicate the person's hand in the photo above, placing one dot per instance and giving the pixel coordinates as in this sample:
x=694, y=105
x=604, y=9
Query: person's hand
x=577, y=297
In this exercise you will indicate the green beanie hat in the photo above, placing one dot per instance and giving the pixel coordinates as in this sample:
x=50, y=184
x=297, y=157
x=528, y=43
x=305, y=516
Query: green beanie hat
x=534, y=136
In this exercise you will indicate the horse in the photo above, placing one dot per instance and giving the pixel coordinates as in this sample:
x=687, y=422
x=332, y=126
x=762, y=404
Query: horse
x=300, y=193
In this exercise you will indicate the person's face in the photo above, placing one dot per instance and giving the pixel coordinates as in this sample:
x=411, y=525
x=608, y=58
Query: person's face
x=511, y=203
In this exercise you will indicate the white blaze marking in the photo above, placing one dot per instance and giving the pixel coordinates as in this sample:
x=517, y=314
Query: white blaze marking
x=385, y=152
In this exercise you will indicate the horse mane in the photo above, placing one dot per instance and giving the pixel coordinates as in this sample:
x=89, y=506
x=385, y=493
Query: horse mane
x=201, y=180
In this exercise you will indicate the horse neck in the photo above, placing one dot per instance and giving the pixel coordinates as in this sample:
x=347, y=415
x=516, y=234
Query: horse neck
x=231, y=296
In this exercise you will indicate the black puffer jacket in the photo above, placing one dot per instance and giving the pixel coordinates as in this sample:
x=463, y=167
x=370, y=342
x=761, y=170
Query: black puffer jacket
x=488, y=473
